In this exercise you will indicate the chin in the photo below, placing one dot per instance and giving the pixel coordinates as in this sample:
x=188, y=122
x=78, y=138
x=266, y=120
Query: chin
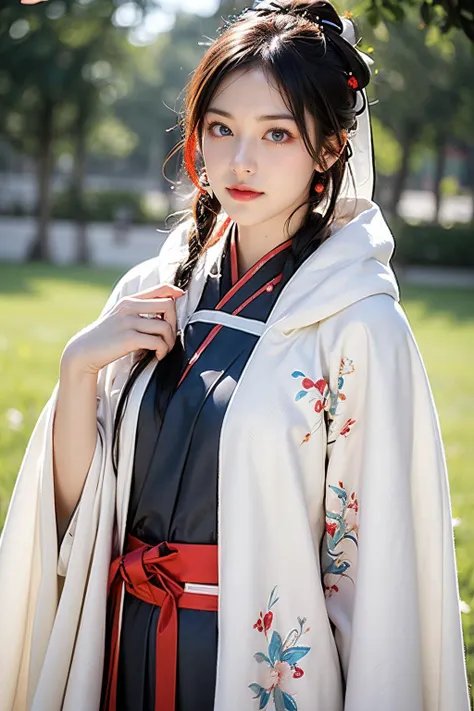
x=245, y=214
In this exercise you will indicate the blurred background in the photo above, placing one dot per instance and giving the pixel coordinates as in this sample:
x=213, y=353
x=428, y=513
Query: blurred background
x=90, y=92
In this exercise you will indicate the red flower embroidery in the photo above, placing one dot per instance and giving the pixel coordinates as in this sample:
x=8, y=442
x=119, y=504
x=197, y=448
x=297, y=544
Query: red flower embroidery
x=307, y=384
x=267, y=621
x=321, y=385
x=347, y=427
x=353, y=504
x=298, y=673
x=331, y=528
x=259, y=623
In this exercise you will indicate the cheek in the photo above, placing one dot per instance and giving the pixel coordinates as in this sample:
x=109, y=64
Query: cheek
x=291, y=168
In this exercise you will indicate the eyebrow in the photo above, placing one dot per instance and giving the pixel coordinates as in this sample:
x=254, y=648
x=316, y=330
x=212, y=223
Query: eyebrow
x=267, y=117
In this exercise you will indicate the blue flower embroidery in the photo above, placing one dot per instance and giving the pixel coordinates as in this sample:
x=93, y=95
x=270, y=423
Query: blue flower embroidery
x=280, y=661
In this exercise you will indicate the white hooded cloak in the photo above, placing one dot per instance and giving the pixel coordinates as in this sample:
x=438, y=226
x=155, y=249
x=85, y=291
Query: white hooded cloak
x=334, y=520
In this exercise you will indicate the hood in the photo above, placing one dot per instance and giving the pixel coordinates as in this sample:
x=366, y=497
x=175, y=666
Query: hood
x=352, y=264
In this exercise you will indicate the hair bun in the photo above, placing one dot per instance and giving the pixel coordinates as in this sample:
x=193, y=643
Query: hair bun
x=323, y=13
x=320, y=12
x=333, y=26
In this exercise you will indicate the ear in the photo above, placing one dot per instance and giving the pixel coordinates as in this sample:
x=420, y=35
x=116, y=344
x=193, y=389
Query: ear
x=328, y=158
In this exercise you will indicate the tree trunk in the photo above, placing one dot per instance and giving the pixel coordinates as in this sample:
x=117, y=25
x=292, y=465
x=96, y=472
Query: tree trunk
x=439, y=172
x=40, y=249
x=77, y=187
x=409, y=137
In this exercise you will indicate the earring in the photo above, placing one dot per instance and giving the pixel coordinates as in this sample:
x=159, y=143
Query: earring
x=204, y=182
x=320, y=186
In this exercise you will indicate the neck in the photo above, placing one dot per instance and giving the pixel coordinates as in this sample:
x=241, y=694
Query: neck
x=254, y=241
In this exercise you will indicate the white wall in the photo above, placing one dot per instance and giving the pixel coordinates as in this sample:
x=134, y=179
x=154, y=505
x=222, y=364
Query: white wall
x=142, y=242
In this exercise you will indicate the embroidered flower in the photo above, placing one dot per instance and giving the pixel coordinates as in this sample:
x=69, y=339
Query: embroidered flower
x=342, y=528
x=278, y=666
x=351, y=520
x=263, y=624
x=346, y=367
x=324, y=399
x=278, y=675
x=259, y=624
x=347, y=427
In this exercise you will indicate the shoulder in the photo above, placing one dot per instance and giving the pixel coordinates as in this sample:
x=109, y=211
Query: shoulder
x=376, y=323
x=379, y=311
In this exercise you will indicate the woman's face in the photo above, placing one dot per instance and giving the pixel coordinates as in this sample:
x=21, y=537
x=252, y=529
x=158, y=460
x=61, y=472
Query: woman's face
x=249, y=137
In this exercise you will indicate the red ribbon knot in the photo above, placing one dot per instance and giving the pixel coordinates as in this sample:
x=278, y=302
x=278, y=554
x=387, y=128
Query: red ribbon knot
x=157, y=575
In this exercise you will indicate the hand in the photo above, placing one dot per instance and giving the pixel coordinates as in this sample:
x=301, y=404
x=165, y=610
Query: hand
x=123, y=330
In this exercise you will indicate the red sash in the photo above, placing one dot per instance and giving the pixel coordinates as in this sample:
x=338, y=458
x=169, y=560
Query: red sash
x=156, y=574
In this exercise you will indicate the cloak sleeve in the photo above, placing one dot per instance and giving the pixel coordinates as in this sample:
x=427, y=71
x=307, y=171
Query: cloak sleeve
x=388, y=559
x=52, y=607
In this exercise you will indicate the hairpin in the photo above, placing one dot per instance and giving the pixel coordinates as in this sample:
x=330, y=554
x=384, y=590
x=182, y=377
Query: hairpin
x=328, y=22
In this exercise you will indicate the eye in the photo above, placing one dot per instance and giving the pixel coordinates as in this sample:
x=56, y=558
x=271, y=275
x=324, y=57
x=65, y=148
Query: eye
x=280, y=135
x=215, y=129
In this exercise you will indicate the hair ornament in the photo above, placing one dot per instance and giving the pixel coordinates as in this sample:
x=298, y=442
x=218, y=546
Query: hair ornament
x=352, y=81
x=333, y=24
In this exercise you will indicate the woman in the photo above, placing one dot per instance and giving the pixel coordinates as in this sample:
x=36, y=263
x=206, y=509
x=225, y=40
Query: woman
x=262, y=490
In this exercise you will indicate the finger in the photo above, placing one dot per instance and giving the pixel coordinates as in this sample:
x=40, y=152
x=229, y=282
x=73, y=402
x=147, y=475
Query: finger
x=163, y=308
x=155, y=327
x=163, y=290
x=144, y=341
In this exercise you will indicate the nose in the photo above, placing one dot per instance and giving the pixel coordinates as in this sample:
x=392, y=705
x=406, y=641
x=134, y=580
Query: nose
x=243, y=159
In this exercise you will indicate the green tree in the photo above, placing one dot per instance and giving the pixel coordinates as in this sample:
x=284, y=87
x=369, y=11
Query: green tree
x=422, y=92
x=52, y=85
x=443, y=14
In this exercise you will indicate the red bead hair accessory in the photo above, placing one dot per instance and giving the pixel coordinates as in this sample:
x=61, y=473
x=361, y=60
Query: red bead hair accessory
x=352, y=81
x=319, y=188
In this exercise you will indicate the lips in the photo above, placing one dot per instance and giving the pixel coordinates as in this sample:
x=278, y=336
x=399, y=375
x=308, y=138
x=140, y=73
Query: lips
x=243, y=193
x=244, y=189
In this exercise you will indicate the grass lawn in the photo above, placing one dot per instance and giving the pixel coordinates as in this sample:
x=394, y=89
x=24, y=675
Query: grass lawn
x=41, y=307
